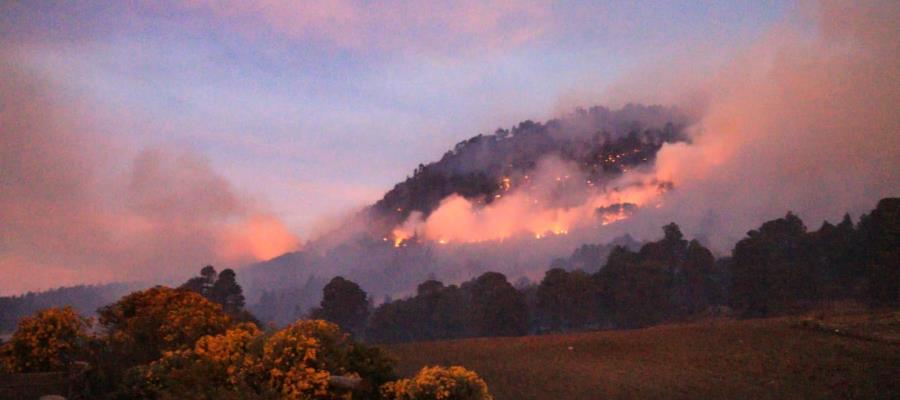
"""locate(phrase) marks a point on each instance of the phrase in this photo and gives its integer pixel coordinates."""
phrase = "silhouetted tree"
(227, 292)
(695, 287)
(344, 303)
(567, 300)
(665, 280)
(498, 309)
(880, 231)
(771, 269)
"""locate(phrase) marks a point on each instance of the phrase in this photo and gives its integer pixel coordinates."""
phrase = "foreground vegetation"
(165, 343)
(717, 359)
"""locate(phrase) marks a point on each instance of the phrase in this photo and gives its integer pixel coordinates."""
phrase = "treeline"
(779, 268)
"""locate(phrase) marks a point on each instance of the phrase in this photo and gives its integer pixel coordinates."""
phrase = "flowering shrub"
(146, 323)
(166, 343)
(290, 357)
(47, 341)
(233, 353)
(294, 363)
(218, 367)
(438, 383)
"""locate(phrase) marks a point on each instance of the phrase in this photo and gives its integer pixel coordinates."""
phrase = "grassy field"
(761, 359)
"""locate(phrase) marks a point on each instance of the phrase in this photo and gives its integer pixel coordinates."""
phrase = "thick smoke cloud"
(73, 212)
(804, 120)
(554, 200)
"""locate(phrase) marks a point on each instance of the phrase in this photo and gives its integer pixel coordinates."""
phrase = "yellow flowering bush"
(296, 362)
(144, 324)
(438, 383)
(233, 352)
(218, 367)
(292, 358)
(47, 341)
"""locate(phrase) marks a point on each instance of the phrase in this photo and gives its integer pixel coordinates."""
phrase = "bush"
(292, 359)
(297, 362)
(223, 366)
(48, 341)
(438, 383)
(144, 324)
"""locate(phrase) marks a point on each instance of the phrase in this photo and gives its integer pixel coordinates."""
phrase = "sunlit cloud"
(392, 25)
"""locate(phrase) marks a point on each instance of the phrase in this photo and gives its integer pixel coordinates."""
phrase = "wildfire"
(532, 210)
(610, 218)
(399, 237)
(552, 232)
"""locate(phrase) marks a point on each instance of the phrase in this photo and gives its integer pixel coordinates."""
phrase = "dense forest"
(779, 268)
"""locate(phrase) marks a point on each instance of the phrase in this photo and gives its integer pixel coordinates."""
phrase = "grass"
(761, 359)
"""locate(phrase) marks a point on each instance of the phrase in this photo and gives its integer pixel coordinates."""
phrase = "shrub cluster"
(166, 343)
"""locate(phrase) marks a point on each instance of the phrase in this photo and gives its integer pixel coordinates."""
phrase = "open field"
(771, 358)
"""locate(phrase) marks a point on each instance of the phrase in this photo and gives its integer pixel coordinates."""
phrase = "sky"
(318, 107)
(266, 118)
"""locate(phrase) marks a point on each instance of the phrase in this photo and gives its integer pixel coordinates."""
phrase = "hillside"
(86, 299)
(765, 358)
(601, 142)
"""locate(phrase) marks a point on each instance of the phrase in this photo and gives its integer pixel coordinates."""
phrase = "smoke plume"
(804, 120)
(555, 199)
(72, 211)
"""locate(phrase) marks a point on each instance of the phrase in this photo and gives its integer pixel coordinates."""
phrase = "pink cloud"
(72, 215)
(391, 25)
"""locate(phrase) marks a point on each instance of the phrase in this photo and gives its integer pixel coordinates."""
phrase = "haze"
(141, 141)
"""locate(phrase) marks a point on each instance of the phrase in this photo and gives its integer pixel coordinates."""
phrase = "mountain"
(86, 299)
(601, 143)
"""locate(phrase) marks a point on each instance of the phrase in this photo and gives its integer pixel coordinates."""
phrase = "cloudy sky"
(143, 139)
(316, 107)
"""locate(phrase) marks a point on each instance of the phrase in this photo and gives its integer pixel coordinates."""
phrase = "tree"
(636, 290)
(772, 269)
(838, 256)
(435, 312)
(202, 284)
(48, 341)
(880, 231)
(566, 300)
(344, 303)
(144, 324)
(666, 279)
(552, 298)
(222, 289)
(227, 292)
(695, 287)
(497, 308)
